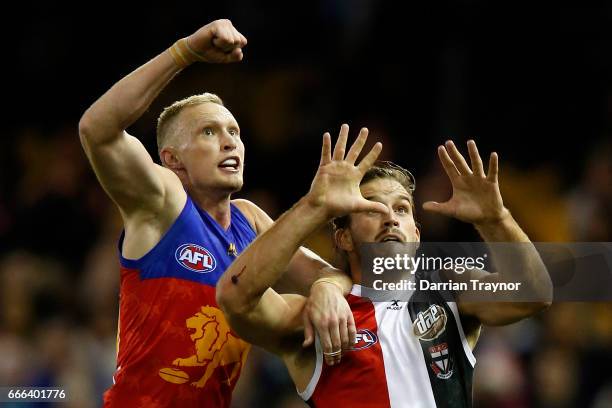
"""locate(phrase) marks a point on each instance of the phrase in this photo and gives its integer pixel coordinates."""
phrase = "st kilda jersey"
(174, 347)
(408, 354)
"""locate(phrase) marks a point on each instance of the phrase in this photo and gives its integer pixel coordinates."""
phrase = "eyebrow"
(208, 122)
(378, 198)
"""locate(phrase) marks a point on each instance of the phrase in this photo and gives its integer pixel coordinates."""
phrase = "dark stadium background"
(530, 80)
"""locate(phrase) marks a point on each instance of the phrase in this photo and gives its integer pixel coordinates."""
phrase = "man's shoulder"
(245, 205)
(258, 218)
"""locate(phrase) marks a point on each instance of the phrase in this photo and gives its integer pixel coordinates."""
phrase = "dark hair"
(380, 170)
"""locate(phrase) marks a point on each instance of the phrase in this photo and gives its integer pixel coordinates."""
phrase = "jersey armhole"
(137, 263)
(244, 218)
(316, 375)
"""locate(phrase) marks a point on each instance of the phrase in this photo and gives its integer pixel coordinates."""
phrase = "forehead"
(384, 188)
(208, 112)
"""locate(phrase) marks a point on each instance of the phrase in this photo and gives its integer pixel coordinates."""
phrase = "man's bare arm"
(335, 190)
(123, 166)
(477, 199)
(515, 263)
(305, 267)
(326, 310)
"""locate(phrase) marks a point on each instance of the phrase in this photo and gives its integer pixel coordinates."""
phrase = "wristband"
(183, 55)
(327, 280)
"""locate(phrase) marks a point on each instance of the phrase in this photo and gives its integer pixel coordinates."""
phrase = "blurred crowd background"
(532, 81)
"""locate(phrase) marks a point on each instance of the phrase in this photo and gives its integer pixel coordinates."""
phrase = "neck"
(355, 269)
(216, 203)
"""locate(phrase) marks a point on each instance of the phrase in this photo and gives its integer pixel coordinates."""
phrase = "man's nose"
(390, 219)
(228, 143)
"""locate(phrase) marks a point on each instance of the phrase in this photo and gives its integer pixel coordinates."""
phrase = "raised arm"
(121, 163)
(325, 310)
(476, 199)
(244, 293)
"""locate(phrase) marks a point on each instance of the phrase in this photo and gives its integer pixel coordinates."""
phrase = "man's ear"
(343, 239)
(170, 159)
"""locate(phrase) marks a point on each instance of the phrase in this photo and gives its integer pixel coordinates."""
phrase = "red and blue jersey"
(174, 346)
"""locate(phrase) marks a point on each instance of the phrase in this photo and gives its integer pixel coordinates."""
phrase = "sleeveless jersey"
(408, 354)
(174, 347)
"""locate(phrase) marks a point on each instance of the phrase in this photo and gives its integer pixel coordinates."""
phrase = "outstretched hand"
(218, 42)
(476, 197)
(335, 187)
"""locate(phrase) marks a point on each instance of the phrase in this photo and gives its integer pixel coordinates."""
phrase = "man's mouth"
(231, 164)
(390, 237)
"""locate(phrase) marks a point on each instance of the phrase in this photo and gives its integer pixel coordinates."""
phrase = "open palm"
(335, 187)
(476, 198)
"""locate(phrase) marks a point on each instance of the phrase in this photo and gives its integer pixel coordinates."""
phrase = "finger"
(457, 158)
(334, 332)
(227, 33)
(355, 149)
(475, 159)
(224, 40)
(233, 34)
(326, 149)
(364, 205)
(440, 208)
(242, 41)
(217, 55)
(235, 55)
(493, 168)
(220, 40)
(220, 56)
(308, 330)
(344, 335)
(447, 163)
(352, 330)
(370, 158)
(341, 143)
(327, 346)
(238, 39)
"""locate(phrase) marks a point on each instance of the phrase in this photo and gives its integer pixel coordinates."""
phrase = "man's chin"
(392, 248)
(232, 186)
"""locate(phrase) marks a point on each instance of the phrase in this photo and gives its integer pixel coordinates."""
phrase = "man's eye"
(401, 210)
(233, 132)
(208, 132)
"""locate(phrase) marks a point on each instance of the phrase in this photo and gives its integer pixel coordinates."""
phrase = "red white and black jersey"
(408, 354)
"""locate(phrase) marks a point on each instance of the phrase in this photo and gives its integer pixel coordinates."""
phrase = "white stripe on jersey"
(312, 384)
(405, 365)
(466, 347)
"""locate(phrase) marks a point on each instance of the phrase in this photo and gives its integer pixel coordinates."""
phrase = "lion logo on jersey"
(215, 347)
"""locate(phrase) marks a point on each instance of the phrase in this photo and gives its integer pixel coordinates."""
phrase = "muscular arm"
(242, 291)
(515, 263)
(304, 268)
(120, 161)
(141, 189)
(476, 199)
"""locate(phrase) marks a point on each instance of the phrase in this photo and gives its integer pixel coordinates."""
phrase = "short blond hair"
(167, 119)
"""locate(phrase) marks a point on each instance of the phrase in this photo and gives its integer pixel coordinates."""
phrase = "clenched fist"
(218, 42)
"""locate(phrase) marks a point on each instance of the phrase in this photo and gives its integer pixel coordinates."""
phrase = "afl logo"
(364, 339)
(195, 258)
